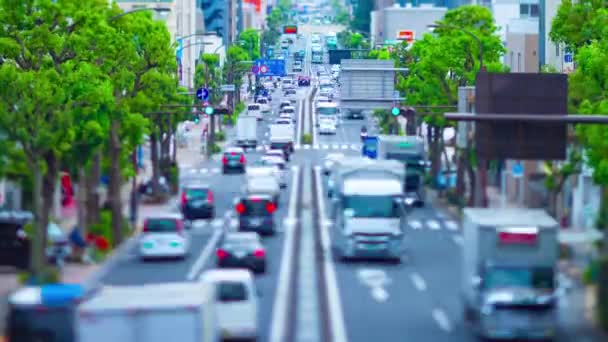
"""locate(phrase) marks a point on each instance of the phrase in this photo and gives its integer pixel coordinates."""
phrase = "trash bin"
(45, 313)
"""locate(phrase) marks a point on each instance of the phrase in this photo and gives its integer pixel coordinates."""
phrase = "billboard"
(290, 29)
(521, 93)
(269, 67)
(407, 35)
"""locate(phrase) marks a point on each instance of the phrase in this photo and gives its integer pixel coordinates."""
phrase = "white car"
(276, 153)
(163, 236)
(289, 110)
(284, 104)
(264, 104)
(327, 126)
(322, 99)
(335, 68)
(283, 121)
(287, 116)
(263, 168)
(290, 94)
(287, 83)
(277, 162)
(263, 185)
(255, 109)
(237, 302)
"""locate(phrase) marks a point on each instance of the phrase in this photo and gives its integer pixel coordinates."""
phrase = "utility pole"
(211, 131)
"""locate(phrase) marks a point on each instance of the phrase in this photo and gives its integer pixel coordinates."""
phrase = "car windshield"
(289, 110)
(240, 239)
(161, 225)
(262, 183)
(230, 291)
(505, 277)
(370, 206)
(255, 206)
(197, 193)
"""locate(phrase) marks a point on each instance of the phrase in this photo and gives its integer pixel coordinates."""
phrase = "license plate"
(255, 222)
(372, 247)
(197, 204)
(240, 254)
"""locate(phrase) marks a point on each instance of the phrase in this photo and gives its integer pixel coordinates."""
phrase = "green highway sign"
(396, 111)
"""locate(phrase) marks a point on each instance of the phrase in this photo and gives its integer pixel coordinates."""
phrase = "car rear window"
(262, 101)
(256, 206)
(196, 193)
(289, 110)
(253, 107)
(161, 225)
(232, 155)
(231, 291)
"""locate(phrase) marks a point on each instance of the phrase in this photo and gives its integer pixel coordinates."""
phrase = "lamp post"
(481, 198)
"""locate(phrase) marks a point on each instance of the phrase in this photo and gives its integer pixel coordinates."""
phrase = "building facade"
(220, 17)
(522, 45)
(387, 22)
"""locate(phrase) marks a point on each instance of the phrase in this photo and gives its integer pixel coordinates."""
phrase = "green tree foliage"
(580, 22)
(250, 41)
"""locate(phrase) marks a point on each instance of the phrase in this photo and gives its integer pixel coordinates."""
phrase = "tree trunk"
(435, 155)
(37, 252)
(92, 180)
(154, 160)
(115, 184)
(604, 216)
(81, 196)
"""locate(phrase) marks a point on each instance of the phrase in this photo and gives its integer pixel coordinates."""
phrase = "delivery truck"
(247, 131)
(183, 312)
(509, 277)
(368, 210)
(410, 151)
(282, 137)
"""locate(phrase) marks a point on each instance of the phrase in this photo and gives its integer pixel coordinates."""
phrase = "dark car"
(233, 160)
(285, 146)
(303, 81)
(242, 250)
(256, 213)
(14, 242)
(285, 103)
(197, 202)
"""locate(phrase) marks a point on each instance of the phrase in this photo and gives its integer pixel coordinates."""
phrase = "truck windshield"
(327, 111)
(504, 277)
(371, 206)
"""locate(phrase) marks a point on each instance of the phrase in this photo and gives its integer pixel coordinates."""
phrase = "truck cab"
(510, 273)
(368, 211)
(410, 151)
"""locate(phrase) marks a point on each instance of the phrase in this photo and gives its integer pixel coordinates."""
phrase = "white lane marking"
(442, 320)
(315, 146)
(458, 240)
(297, 147)
(266, 134)
(354, 147)
(419, 283)
(344, 147)
(228, 213)
(335, 146)
(185, 166)
(193, 170)
(279, 310)
(336, 316)
(259, 148)
(307, 147)
(215, 170)
(380, 294)
(300, 122)
(294, 167)
(415, 224)
(204, 170)
(376, 280)
(433, 225)
(325, 147)
(204, 256)
(451, 225)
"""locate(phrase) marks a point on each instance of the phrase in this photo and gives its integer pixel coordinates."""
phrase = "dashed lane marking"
(457, 240)
(344, 147)
(451, 225)
(419, 283)
(325, 147)
(307, 147)
(442, 320)
(415, 224)
(433, 225)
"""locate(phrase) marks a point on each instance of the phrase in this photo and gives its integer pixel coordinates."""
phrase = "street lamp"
(159, 10)
(467, 32)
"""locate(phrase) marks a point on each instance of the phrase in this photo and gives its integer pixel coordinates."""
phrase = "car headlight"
(409, 201)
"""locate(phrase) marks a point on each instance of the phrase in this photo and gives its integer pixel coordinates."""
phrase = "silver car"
(164, 235)
(267, 185)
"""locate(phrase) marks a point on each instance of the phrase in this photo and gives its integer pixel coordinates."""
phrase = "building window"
(527, 10)
(518, 61)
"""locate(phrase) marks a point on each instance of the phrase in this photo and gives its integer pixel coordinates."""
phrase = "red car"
(303, 81)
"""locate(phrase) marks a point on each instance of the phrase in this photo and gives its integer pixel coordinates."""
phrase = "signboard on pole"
(517, 171)
(290, 29)
(407, 35)
(269, 67)
(228, 87)
(202, 94)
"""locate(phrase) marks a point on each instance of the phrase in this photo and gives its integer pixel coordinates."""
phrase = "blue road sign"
(269, 52)
(202, 94)
(273, 67)
(370, 147)
(568, 58)
(517, 170)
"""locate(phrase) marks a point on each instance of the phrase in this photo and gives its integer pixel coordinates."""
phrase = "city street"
(417, 299)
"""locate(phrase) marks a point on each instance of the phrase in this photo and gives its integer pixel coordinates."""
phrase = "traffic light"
(209, 110)
(395, 111)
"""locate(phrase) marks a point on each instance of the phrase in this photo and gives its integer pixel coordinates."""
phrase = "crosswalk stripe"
(344, 147)
(216, 170)
(217, 223)
(325, 147)
(335, 146)
(316, 147)
(415, 224)
(433, 225)
(354, 147)
(451, 225)
(307, 147)
(204, 170)
(259, 148)
(297, 147)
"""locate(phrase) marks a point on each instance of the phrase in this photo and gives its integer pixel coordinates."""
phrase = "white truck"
(184, 312)
(368, 210)
(510, 273)
(282, 137)
(247, 131)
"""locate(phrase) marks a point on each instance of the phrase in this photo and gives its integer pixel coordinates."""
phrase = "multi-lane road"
(307, 294)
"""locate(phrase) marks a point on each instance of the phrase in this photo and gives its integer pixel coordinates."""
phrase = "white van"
(255, 109)
(236, 302)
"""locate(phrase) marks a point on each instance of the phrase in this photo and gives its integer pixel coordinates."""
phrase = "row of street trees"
(81, 80)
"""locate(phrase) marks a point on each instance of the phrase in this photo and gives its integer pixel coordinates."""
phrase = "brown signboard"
(521, 93)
